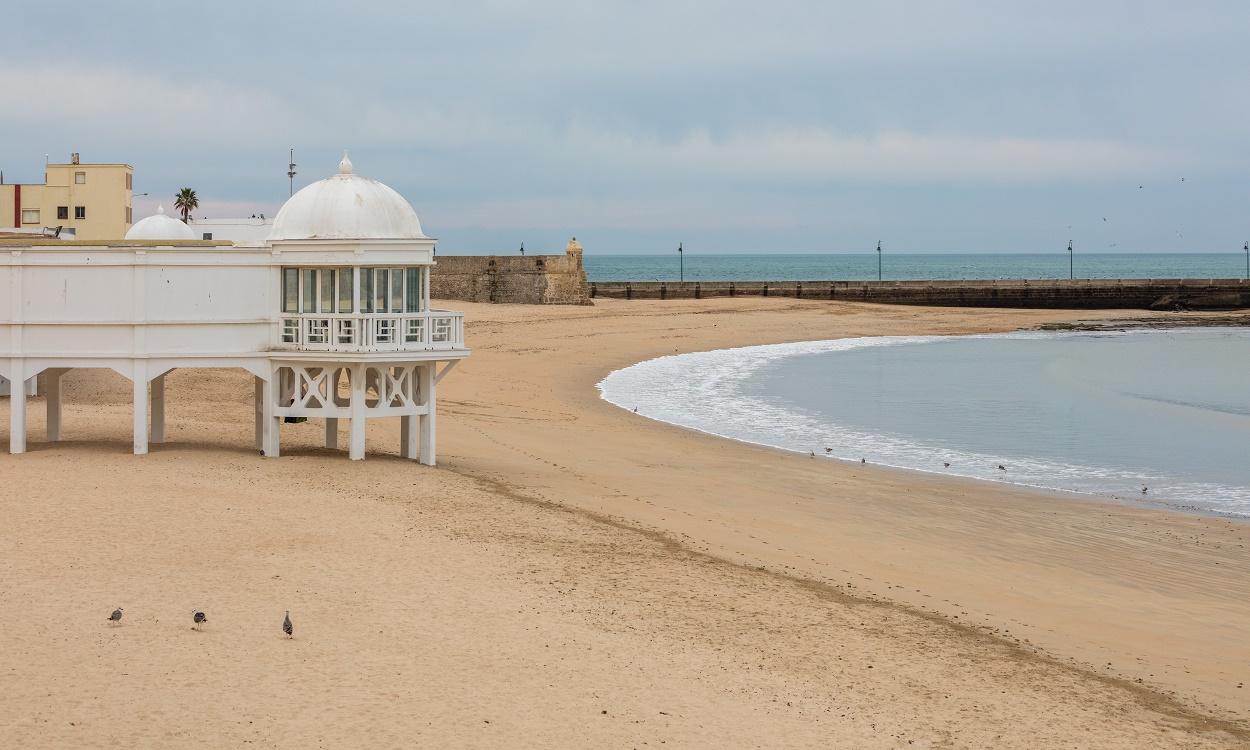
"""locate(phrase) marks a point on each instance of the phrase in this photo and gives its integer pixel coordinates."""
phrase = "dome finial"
(345, 166)
(160, 208)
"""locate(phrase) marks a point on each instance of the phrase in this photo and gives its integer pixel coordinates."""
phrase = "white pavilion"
(330, 314)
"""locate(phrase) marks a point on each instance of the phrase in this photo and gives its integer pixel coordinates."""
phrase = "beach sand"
(574, 574)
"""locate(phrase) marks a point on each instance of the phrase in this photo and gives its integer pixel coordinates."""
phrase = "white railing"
(371, 332)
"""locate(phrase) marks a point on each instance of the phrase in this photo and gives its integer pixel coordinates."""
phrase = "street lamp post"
(681, 264)
(1071, 268)
(878, 260)
(1246, 247)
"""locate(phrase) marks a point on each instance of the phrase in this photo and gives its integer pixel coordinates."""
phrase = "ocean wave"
(704, 391)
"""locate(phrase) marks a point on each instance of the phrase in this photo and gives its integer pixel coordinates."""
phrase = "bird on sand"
(1002, 468)
(1144, 490)
(286, 625)
(116, 617)
(828, 450)
(863, 461)
(812, 454)
(198, 617)
(946, 464)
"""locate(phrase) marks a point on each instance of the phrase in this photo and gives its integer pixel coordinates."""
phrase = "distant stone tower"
(574, 251)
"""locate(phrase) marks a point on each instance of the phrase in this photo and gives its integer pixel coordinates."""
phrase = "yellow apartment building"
(92, 199)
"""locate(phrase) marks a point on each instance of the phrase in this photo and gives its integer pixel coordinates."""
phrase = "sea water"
(1105, 414)
(860, 267)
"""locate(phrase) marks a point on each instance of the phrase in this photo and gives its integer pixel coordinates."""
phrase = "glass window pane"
(327, 289)
(381, 283)
(412, 290)
(310, 291)
(290, 290)
(397, 290)
(345, 290)
(366, 290)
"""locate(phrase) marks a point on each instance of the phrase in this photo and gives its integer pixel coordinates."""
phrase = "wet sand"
(575, 574)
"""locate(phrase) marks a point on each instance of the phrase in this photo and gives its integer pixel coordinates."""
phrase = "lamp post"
(1246, 247)
(878, 260)
(290, 172)
(1071, 270)
(681, 264)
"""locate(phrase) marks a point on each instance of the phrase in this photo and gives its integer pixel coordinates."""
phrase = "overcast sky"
(733, 127)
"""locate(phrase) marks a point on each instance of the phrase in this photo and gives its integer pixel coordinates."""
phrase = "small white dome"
(346, 206)
(158, 226)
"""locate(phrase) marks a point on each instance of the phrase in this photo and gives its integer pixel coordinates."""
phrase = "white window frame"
(28, 212)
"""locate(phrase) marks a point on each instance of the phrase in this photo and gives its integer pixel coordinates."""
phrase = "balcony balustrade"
(432, 330)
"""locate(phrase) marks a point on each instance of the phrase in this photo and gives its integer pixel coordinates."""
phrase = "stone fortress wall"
(1160, 294)
(517, 279)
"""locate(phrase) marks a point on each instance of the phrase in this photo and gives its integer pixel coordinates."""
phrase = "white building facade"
(330, 315)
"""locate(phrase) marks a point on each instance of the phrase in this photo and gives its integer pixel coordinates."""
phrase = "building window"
(30, 216)
(80, 212)
(313, 290)
(129, 178)
(62, 212)
(129, 215)
(80, 178)
(207, 235)
(390, 290)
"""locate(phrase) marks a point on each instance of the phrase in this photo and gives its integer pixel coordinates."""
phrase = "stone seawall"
(1071, 294)
(519, 279)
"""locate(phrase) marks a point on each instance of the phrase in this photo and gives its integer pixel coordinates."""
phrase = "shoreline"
(618, 398)
(571, 576)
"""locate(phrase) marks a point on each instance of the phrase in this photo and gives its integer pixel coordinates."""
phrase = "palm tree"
(186, 201)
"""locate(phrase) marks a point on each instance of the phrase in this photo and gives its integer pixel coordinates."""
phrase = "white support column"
(17, 406)
(139, 378)
(427, 419)
(52, 388)
(158, 409)
(258, 400)
(332, 433)
(407, 437)
(356, 449)
(269, 399)
(425, 287)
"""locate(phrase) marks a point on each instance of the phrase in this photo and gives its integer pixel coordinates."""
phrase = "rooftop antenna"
(290, 172)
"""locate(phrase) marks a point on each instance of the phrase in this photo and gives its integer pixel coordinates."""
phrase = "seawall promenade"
(1167, 294)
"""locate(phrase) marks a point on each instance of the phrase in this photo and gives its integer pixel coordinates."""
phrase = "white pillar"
(408, 437)
(268, 399)
(427, 419)
(17, 406)
(257, 398)
(356, 445)
(332, 433)
(139, 379)
(52, 387)
(158, 409)
(356, 449)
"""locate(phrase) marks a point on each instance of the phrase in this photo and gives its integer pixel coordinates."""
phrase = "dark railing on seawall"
(1165, 294)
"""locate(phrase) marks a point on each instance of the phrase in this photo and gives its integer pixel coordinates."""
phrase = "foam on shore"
(704, 391)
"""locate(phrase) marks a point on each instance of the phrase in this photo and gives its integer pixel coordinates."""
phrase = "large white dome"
(158, 226)
(346, 207)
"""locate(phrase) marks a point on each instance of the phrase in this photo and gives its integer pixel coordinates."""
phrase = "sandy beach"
(574, 574)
